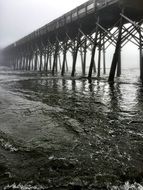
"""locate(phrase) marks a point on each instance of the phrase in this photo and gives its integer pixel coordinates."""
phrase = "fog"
(20, 17)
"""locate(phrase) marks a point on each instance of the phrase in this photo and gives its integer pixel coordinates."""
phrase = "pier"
(91, 28)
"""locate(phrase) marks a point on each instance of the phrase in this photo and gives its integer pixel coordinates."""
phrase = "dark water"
(70, 134)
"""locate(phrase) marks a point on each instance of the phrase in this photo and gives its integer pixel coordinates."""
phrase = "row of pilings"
(45, 55)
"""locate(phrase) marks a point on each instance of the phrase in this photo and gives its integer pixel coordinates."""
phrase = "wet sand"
(70, 134)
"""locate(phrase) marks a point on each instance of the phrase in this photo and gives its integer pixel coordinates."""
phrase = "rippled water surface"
(70, 134)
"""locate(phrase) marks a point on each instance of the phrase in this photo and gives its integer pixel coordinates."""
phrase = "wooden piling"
(116, 54)
(23, 66)
(50, 61)
(99, 56)
(55, 59)
(60, 65)
(82, 60)
(47, 60)
(35, 61)
(141, 54)
(32, 63)
(93, 53)
(27, 59)
(64, 59)
(119, 64)
(41, 61)
(75, 53)
(85, 55)
(104, 58)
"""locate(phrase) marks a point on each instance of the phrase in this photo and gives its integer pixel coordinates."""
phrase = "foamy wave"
(24, 187)
(128, 186)
(6, 145)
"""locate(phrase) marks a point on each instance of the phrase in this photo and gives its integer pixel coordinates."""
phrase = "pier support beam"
(85, 55)
(17, 61)
(141, 54)
(99, 56)
(119, 64)
(82, 64)
(30, 62)
(116, 54)
(50, 61)
(92, 63)
(47, 61)
(59, 58)
(27, 60)
(35, 62)
(41, 61)
(55, 58)
(75, 53)
(64, 59)
(104, 58)
(24, 60)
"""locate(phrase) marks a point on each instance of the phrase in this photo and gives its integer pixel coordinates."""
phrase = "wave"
(7, 143)
(7, 146)
(128, 186)
(24, 187)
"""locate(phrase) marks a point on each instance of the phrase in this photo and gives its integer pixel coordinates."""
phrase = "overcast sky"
(20, 17)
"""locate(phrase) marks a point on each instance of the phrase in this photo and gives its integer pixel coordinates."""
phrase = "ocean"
(63, 133)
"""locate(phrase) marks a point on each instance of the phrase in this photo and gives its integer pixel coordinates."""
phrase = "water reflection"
(101, 125)
(116, 97)
(139, 103)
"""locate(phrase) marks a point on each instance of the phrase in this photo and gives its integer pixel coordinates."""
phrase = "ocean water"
(70, 133)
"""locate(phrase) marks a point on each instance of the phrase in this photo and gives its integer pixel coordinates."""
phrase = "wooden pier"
(90, 28)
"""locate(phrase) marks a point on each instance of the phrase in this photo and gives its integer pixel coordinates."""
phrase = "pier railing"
(81, 11)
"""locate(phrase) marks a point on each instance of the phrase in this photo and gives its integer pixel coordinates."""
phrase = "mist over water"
(65, 133)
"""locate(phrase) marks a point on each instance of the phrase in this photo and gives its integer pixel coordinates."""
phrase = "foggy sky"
(20, 17)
